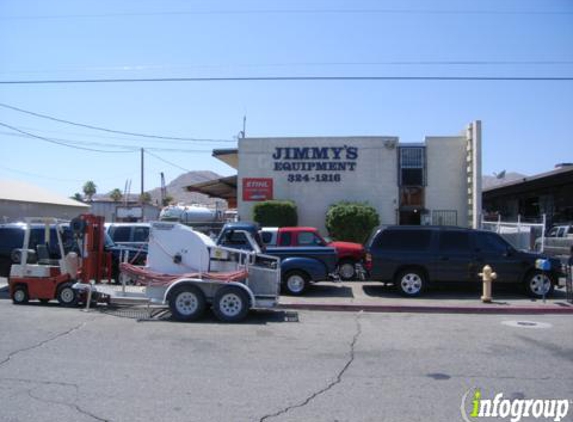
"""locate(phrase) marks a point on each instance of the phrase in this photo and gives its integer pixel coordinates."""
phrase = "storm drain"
(527, 324)
(137, 313)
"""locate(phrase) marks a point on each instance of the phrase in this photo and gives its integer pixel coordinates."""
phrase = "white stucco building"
(437, 181)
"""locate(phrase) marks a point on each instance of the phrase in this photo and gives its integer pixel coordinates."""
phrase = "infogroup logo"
(477, 407)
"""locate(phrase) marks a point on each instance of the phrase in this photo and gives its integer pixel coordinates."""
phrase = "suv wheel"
(537, 283)
(410, 283)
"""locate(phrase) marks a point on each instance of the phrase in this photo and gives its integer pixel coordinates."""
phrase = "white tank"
(177, 249)
(188, 214)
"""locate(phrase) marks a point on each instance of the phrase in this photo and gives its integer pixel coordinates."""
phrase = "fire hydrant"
(487, 275)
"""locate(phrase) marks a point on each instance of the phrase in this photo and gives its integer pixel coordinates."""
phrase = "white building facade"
(434, 182)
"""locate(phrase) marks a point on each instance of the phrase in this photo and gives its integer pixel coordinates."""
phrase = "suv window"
(12, 238)
(490, 242)
(121, 234)
(267, 237)
(141, 234)
(453, 241)
(404, 240)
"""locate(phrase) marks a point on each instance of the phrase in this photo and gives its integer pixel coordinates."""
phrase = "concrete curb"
(516, 310)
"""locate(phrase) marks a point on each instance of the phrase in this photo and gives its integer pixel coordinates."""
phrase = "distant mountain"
(176, 189)
(491, 181)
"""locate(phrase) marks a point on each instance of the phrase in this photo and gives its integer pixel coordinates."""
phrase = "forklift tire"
(187, 303)
(20, 295)
(67, 296)
(231, 304)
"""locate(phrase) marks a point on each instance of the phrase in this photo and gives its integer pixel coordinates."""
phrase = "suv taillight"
(368, 262)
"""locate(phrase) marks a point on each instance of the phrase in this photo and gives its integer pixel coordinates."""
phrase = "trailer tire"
(68, 296)
(231, 304)
(20, 295)
(187, 303)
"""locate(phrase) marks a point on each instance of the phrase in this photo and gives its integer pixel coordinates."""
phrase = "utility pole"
(244, 133)
(142, 188)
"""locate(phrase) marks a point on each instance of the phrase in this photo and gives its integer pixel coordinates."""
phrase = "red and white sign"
(257, 189)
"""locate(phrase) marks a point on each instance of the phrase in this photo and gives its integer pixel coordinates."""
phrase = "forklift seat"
(44, 255)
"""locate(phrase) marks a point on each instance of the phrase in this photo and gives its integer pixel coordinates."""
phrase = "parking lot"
(280, 365)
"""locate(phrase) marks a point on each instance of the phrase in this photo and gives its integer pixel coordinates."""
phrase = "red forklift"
(35, 276)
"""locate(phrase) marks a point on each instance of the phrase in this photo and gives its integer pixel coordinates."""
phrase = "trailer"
(187, 272)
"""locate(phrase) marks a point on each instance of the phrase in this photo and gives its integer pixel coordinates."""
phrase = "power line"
(139, 68)
(143, 135)
(292, 12)
(102, 144)
(274, 79)
(53, 141)
(167, 162)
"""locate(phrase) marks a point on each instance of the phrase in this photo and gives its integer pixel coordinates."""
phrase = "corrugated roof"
(11, 190)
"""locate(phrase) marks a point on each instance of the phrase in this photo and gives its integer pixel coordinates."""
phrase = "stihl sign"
(257, 189)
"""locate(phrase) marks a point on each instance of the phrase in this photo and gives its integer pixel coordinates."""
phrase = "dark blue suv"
(413, 257)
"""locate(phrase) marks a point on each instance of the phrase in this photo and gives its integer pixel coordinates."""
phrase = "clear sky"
(526, 124)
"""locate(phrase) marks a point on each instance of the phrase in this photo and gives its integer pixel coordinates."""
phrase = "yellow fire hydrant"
(487, 275)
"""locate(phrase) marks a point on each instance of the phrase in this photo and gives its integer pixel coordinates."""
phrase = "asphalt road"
(67, 365)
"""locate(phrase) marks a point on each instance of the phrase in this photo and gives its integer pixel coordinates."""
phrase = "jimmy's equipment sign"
(315, 164)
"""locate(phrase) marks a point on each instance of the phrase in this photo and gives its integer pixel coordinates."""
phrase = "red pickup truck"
(349, 254)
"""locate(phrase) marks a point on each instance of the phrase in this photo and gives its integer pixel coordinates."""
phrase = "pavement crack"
(337, 380)
(40, 344)
(69, 405)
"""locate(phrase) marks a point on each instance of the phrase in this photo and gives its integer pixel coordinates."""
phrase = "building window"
(412, 166)
(412, 196)
(445, 218)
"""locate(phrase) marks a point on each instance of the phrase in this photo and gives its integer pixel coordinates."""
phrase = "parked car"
(12, 238)
(558, 241)
(129, 234)
(300, 266)
(350, 254)
(414, 257)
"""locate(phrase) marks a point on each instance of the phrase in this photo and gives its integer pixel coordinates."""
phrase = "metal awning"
(223, 188)
(229, 156)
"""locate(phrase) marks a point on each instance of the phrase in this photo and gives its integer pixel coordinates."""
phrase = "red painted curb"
(427, 309)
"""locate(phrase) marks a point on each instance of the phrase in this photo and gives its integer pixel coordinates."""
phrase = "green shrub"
(351, 221)
(275, 213)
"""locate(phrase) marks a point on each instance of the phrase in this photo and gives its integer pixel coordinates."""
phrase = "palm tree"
(116, 195)
(145, 198)
(78, 197)
(89, 189)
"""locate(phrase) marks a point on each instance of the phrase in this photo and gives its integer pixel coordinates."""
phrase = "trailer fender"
(198, 282)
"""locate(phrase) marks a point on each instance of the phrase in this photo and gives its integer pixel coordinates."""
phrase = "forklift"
(35, 276)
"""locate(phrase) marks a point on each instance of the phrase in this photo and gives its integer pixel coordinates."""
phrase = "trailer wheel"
(67, 296)
(231, 304)
(20, 295)
(187, 303)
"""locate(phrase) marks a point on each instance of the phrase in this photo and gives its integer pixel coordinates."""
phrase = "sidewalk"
(377, 297)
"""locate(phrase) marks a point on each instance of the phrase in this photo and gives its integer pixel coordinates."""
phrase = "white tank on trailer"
(177, 249)
(189, 214)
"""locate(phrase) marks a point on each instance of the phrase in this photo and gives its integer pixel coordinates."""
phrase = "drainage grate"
(137, 313)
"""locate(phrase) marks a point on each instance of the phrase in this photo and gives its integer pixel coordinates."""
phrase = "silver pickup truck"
(558, 241)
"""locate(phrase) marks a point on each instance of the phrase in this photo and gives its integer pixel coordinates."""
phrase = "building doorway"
(410, 217)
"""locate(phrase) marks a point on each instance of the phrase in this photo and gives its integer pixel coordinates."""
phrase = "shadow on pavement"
(329, 289)
(501, 293)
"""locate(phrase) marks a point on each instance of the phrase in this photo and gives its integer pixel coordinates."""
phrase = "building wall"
(11, 211)
(447, 176)
(372, 179)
